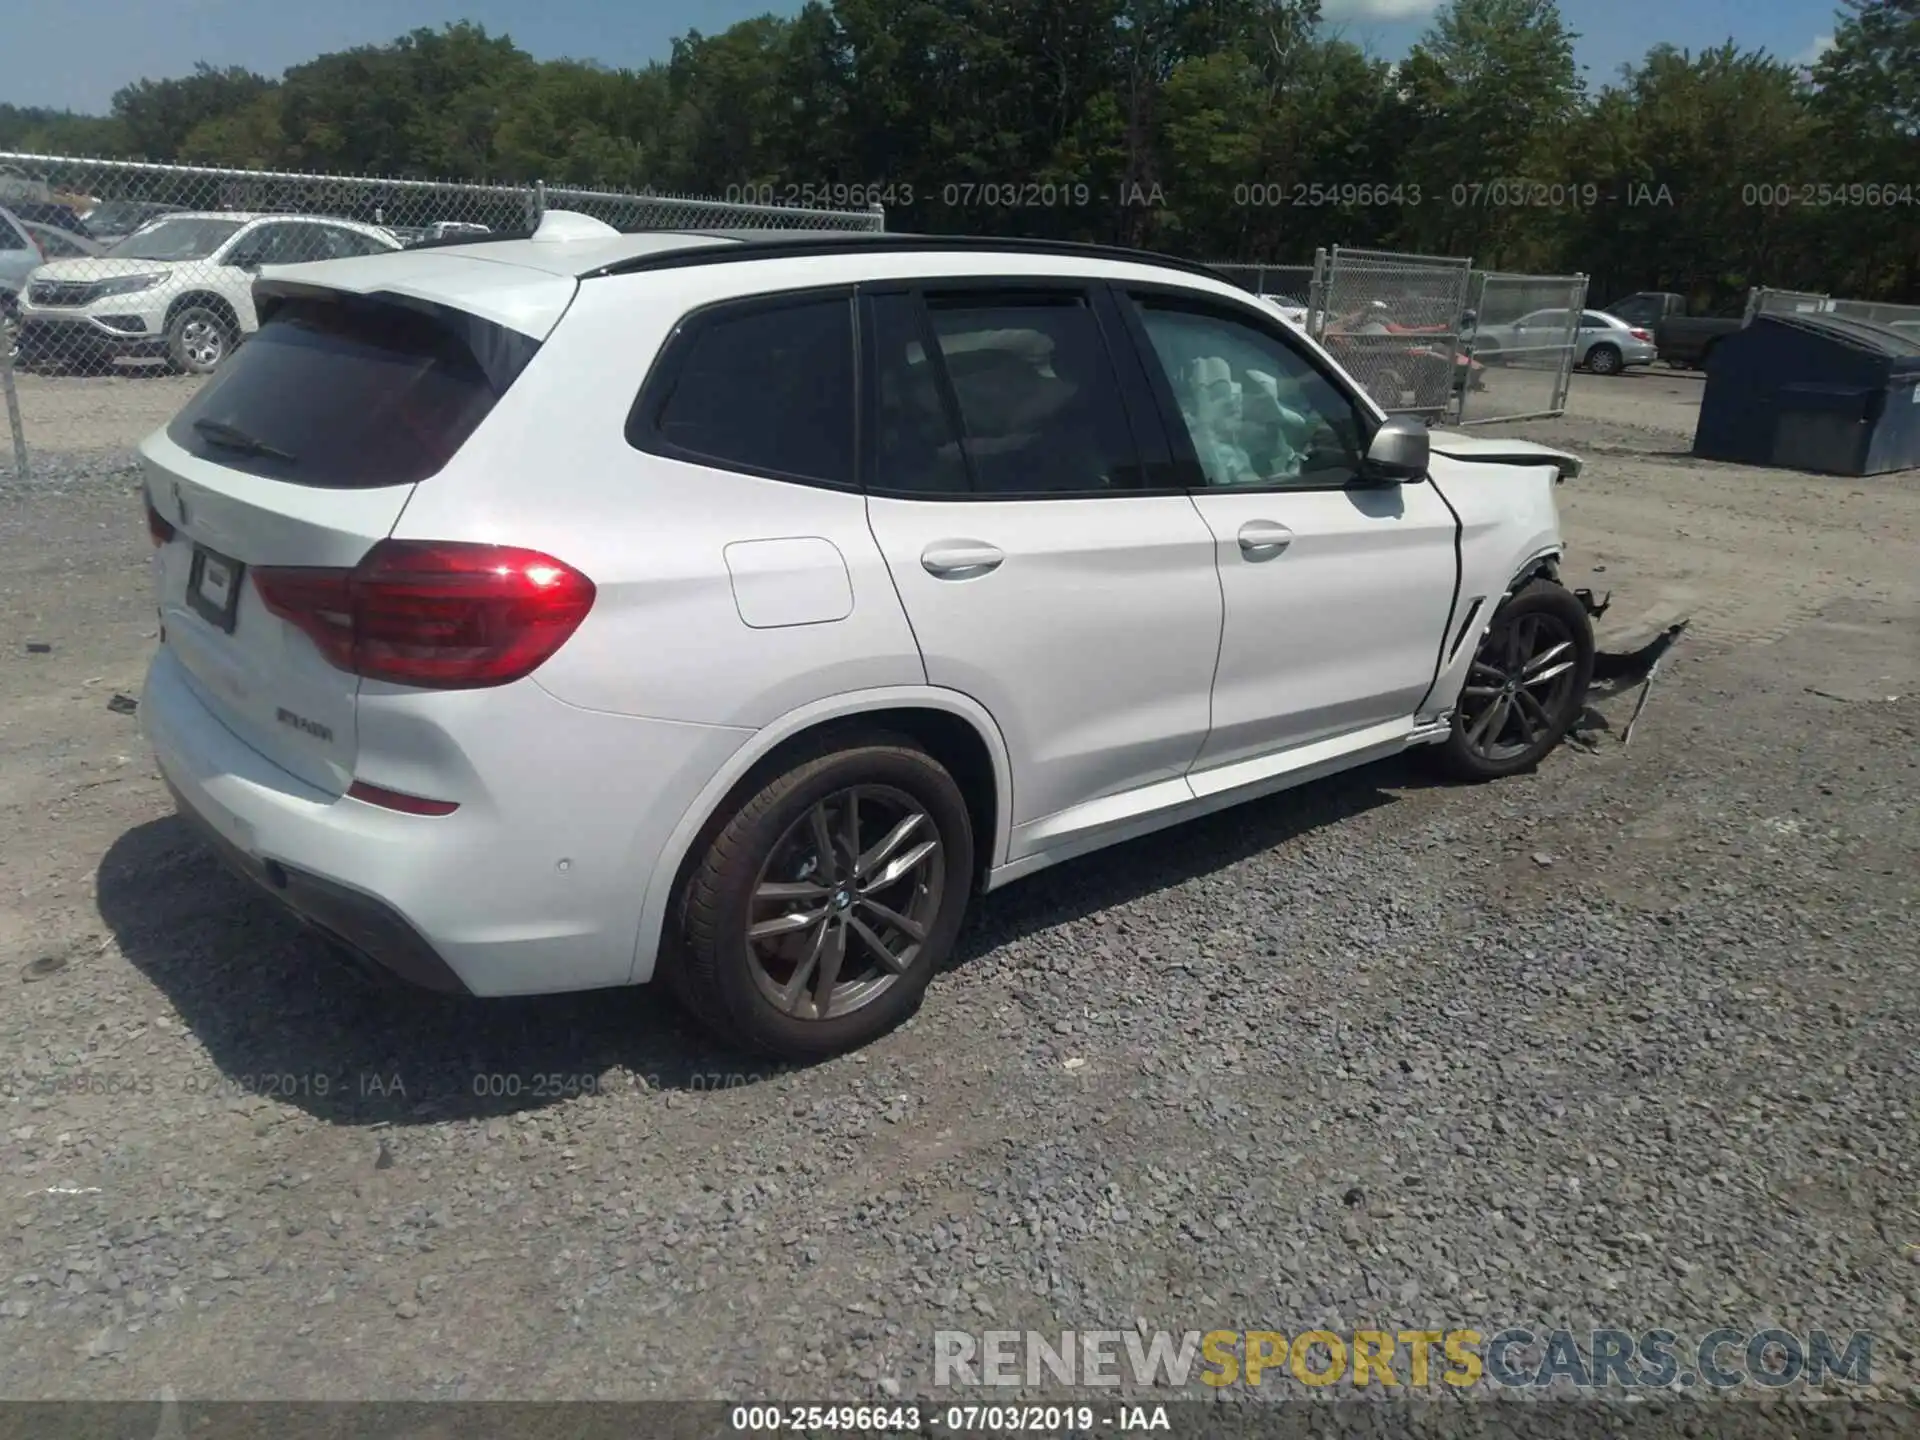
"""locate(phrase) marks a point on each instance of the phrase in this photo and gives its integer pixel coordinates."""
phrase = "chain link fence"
(1522, 340)
(1904, 318)
(1395, 322)
(1429, 335)
(110, 263)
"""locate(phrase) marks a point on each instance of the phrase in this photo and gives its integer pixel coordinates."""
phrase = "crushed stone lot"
(1633, 1041)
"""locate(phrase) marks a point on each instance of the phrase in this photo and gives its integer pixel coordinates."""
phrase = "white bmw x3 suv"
(728, 609)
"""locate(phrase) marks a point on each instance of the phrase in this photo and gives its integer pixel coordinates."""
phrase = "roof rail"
(750, 245)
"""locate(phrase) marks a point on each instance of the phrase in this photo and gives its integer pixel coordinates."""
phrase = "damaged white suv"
(588, 609)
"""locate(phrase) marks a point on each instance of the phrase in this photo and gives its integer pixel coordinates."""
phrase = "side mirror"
(1398, 452)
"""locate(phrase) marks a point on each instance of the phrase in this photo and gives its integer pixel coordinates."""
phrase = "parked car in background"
(944, 578)
(1603, 343)
(18, 187)
(19, 257)
(180, 288)
(1291, 309)
(1679, 339)
(57, 214)
(439, 232)
(114, 220)
(25, 245)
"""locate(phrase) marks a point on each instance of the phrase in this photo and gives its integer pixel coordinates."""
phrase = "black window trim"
(642, 429)
(1114, 341)
(1204, 302)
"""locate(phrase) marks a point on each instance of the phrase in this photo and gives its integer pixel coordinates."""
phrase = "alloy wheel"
(203, 342)
(845, 901)
(1519, 686)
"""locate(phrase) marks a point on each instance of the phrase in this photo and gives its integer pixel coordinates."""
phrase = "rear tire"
(1526, 686)
(1605, 360)
(807, 930)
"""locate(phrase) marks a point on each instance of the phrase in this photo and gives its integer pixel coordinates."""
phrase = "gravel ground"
(1633, 1041)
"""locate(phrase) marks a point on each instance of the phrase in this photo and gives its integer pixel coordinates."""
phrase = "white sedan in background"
(180, 288)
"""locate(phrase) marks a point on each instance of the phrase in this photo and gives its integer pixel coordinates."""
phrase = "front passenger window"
(1256, 411)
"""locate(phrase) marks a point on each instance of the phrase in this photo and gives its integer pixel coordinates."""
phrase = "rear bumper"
(369, 928)
(533, 886)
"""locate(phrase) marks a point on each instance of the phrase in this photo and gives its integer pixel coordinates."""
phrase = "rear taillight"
(441, 615)
(1641, 334)
(158, 526)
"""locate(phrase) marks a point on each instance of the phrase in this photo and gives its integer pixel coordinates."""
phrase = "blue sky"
(49, 60)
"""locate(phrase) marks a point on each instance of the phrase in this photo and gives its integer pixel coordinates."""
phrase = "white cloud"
(1821, 44)
(1378, 9)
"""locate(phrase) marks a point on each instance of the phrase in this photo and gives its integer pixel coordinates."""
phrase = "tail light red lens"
(440, 615)
(158, 526)
(393, 800)
(1642, 334)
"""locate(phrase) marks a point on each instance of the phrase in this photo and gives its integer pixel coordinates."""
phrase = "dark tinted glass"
(1039, 407)
(346, 394)
(763, 386)
(915, 449)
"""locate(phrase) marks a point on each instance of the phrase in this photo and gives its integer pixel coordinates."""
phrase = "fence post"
(539, 202)
(14, 422)
(1317, 296)
(879, 217)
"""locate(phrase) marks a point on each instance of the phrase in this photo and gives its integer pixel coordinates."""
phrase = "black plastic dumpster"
(1813, 392)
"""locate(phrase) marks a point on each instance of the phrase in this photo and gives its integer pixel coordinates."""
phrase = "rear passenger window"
(764, 386)
(1019, 397)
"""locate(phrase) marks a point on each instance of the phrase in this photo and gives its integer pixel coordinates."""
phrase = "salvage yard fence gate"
(83, 310)
(1410, 328)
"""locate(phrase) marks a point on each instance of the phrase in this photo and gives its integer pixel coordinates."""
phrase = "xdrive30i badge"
(303, 725)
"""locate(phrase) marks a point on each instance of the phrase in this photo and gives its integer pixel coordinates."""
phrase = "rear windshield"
(347, 393)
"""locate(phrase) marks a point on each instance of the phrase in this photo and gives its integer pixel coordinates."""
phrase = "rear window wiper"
(232, 437)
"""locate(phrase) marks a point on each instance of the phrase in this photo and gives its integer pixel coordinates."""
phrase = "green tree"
(158, 115)
(1867, 111)
(1491, 90)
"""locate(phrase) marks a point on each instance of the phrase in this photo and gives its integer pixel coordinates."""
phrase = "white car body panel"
(1124, 663)
(1092, 644)
(1508, 523)
(1336, 632)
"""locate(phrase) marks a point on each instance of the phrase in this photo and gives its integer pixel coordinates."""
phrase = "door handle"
(1264, 538)
(961, 559)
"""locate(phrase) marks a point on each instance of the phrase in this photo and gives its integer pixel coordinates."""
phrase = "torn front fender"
(1491, 450)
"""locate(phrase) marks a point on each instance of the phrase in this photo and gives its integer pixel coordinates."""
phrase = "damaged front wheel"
(1526, 686)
